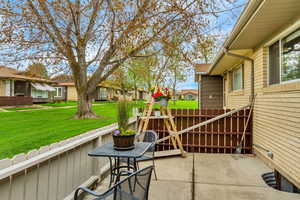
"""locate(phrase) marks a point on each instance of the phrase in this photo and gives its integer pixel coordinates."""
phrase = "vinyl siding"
(239, 98)
(71, 93)
(276, 120)
(110, 93)
(277, 127)
(2, 88)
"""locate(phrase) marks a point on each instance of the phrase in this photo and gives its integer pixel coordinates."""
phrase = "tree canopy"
(37, 70)
(93, 38)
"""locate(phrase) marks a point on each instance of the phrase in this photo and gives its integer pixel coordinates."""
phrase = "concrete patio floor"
(216, 177)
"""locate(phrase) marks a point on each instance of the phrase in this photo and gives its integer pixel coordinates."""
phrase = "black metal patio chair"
(149, 136)
(133, 187)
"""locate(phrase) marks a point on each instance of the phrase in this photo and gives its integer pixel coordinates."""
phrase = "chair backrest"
(150, 136)
(135, 186)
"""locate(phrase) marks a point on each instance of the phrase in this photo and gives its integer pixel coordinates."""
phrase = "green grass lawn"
(60, 104)
(183, 104)
(23, 131)
(180, 104)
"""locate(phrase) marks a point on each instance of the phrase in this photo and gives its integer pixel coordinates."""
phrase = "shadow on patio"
(210, 177)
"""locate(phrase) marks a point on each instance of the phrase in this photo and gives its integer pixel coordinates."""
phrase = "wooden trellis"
(168, 122)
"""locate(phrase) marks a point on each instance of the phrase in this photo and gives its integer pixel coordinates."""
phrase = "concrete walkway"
(216, 177)
(3, 110)
(40, 107)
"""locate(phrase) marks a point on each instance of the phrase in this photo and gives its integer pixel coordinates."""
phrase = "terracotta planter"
(123, 142)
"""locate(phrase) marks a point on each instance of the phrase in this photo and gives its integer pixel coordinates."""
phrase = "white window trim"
(242, 79)
(56, 92)
(41, 91)
(279, 38)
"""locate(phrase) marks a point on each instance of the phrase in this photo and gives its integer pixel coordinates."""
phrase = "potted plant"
(161, 96)
(123, 137)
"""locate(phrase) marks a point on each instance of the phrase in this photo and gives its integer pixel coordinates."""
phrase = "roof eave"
(248, 11)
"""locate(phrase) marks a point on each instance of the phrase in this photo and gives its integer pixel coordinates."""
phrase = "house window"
(8, 88)
(58, 92)
(284, 59)
(38, 93)
(237, 79)
(103, 94)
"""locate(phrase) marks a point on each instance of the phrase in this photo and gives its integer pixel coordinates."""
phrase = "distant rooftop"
(188, 91)
(10, 73)
(202, 68)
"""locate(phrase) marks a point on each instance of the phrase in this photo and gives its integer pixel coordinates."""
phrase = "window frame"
(239, 67)
(56, 92)
(39, 93)
(280, 59)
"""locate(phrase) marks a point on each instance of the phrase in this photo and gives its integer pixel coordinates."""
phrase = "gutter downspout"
(252, 69)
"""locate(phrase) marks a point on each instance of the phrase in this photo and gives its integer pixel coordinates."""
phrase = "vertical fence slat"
(5, 189)
(31, 184)
(221, 136)
(4, 184)
(62, 176)
(53, 179)
(18, 180)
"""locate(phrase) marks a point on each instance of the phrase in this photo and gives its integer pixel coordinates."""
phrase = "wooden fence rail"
(221, 136)
(15, 101)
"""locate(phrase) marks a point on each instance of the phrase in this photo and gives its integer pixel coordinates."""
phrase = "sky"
(225, 23)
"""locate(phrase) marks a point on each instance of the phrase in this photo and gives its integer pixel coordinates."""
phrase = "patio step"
(156, 117)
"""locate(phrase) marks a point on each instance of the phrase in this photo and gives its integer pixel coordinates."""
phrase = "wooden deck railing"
(15, 101)
(53, 172)
(221, 136)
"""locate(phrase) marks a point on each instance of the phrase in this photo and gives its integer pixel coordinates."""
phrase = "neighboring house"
(188, 94)
(67, 91)
(62, 83)
(262, 57)
(14, 83)
(61, 92)
(210, 88)
(107, 93)
(140, 95)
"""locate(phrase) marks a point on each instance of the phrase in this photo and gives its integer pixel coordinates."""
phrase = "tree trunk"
(174, 86)
(174, 94)
(136, 93)
(84, 106)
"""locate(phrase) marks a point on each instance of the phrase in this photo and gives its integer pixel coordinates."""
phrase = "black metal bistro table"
(130, 156)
